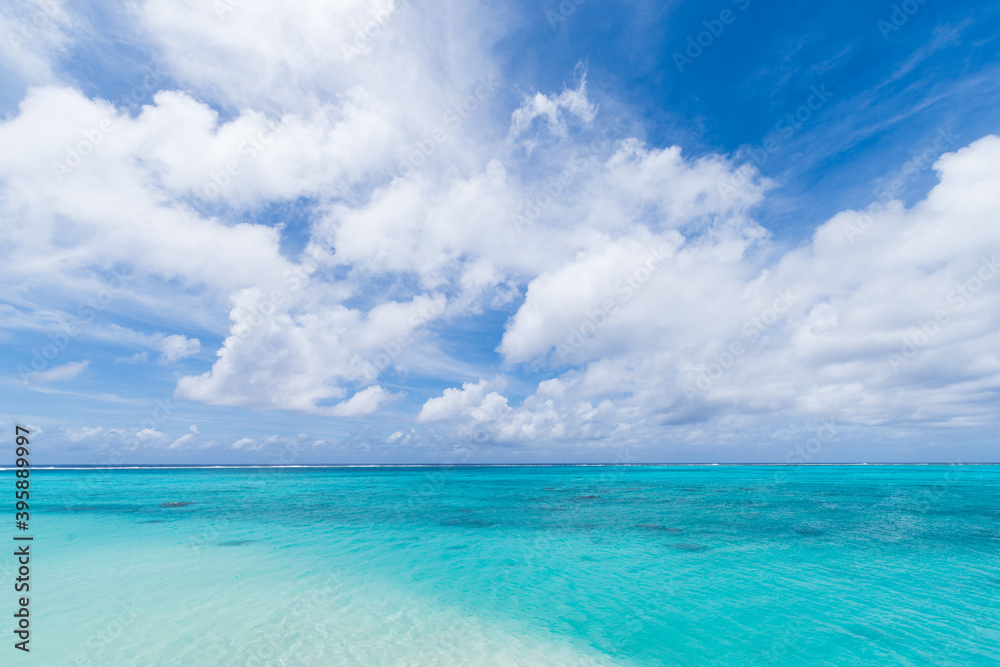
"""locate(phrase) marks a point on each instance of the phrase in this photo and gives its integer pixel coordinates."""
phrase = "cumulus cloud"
(324, 348)
(453, 402)
(178, 346)
(711, 336)
(284, 50)
(364, 402)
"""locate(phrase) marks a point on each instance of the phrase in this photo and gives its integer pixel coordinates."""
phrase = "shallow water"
(689, 565)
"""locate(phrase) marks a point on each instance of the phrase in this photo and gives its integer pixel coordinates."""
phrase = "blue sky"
(500, 232)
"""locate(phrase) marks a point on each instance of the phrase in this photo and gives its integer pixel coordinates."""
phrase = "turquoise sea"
(632, 565)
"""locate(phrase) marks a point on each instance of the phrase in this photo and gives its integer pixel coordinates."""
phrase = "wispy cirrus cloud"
(61, 373)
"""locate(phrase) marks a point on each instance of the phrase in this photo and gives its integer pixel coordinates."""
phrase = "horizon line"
(167, 466)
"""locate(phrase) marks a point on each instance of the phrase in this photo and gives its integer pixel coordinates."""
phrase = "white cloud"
(324, 347)
(181, 442)
(137, 358)
(454, 402)
(247, 443)
(149, 435)
(272, 55)
(178, 346)
(85, 433)
(59, 373)
(363, 403)
(554, 109)
(566, 308)
(35, 33)
(717, 337)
